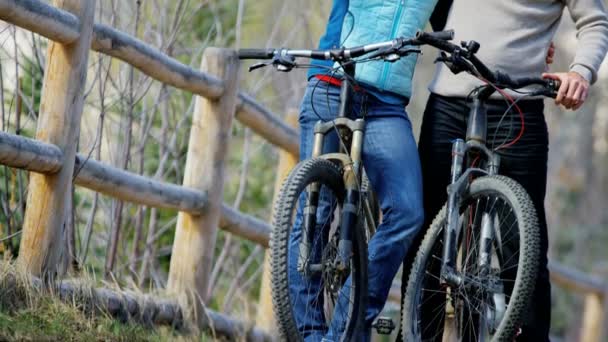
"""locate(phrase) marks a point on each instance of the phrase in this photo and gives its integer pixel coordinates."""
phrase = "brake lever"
(405, 52)
(398, 54)
(452, 62)
(283, 67)
(259, 65)
(379, 53)
(284, 63)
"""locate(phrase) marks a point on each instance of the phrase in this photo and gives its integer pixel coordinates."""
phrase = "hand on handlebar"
(573, 89)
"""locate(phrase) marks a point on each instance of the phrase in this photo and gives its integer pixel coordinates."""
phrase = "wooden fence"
(52, 159)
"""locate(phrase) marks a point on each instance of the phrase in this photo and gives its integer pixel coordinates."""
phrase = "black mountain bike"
(328, 196)
(474, 274)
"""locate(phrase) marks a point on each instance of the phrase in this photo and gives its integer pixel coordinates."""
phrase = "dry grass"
(28, 314)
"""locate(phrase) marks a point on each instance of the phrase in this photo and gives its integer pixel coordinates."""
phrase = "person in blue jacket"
(390, 155)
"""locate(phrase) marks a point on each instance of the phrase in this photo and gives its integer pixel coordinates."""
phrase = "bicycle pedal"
(384, 325)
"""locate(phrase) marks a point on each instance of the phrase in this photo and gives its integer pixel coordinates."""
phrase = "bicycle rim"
(490, 304)
(307, 301)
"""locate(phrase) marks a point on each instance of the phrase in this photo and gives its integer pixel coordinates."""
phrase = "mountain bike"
(331, 248)
(474, 273)
(328, 195)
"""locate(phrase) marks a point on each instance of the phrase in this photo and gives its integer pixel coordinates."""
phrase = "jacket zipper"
(396, 23)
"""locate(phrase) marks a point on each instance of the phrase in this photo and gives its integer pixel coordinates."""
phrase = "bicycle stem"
(346, 91)
(478, 121)
(478, 116)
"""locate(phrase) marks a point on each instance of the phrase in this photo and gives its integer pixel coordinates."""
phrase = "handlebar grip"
(437, 40)
(549, 87)
(256, 53)
(553, 86)
(443, 35)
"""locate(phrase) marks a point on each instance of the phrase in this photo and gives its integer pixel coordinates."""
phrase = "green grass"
(27, 314)
(48, 319)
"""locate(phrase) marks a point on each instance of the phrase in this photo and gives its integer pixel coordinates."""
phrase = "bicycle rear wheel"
(491, 302)
(305, 298)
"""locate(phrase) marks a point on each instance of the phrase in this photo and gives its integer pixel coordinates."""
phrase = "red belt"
(334, 81)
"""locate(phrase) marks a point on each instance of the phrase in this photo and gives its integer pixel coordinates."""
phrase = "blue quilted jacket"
(358, 22)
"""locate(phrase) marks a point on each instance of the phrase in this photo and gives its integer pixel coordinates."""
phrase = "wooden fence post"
(593, 318)
(195, 235)
(59, 124)
(595, 310)
(265, 317)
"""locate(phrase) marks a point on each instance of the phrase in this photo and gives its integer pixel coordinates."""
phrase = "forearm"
(591, 23)
(440, 14)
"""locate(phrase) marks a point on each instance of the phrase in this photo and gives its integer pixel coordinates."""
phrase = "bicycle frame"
(349, 130)
(460, 179)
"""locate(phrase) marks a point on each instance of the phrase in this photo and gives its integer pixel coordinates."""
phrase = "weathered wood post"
(592, 326)
(265, 317)
(194, 245)
(59, 124)
(595, 313)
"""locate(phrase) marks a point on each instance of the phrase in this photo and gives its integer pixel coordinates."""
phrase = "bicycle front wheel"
(490, 303)
(311, 292)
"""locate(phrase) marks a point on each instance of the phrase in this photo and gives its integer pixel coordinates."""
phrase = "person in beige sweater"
(515, 38)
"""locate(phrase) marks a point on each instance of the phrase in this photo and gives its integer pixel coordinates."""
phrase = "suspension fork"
(448, 266)
(310, 212)
(485, 242)
(456, 189)
(350, 210)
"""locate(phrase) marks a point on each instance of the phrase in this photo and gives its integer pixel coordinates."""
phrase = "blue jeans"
(390, 158)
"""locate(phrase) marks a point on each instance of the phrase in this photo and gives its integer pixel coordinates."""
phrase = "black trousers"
(445, 119)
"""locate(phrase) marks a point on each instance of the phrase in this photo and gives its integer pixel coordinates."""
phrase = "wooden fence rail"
(135, 188)
(29, 154)
(32, 155)
(576, 280)
(42, 18)
(595, 289)
(64, 28)
(53, 159)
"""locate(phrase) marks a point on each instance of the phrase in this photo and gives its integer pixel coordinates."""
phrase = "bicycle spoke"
(440, 310)
(483, 299)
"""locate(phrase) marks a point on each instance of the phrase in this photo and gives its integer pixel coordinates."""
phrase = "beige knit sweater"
(515, 36)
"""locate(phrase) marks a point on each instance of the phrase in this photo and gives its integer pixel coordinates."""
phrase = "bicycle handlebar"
(439, 40)
(343, 53)
(255, 53)
(334, 54)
